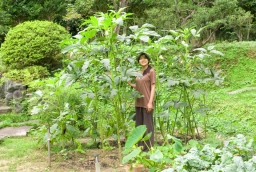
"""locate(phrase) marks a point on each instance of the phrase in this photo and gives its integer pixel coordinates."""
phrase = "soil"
(37, 161)
(75, 162)
(109, 161)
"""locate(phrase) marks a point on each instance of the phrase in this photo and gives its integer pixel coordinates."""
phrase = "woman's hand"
(152, 94)
(132, 85)
(149, 107)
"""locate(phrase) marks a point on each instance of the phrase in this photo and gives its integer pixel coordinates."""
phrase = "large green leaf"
(113, 93)
(135, 136)
(144, 38)
(157, 156)
(131, 155)
(168, 104)
(147, 137)
(106, 63)
(119, 21)
(88, 34)
(85, 66)
(133, 72)
(177, 146)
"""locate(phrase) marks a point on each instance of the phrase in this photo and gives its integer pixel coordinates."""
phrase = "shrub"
(27, 74)
(33, 43)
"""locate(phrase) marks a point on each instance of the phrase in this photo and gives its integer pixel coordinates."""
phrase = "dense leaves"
(25, 10)
(33, 43)
(235, 156)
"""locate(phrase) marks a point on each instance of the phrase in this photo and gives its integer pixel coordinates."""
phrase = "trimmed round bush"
(33, 43)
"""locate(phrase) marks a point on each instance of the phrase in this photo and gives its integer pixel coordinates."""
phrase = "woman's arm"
(131, 84)
(151, 99)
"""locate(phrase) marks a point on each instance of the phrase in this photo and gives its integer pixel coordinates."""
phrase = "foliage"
(17, 147)
(241, 23)
(33, 43)
(221, 19)
(59, 109)
(27, 74)
(52, 10)
(105, 60)
(248, 6)
(84, 7)
(5, 24)
(232, 104)
(25, 10)
(157, 158)
(236, 155)
(8, 120)
(182, 95)
(103, 65)
(22, 10)
(237, 63)
(135, 136)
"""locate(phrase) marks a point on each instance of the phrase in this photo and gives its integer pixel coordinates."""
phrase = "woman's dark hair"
(147, 57)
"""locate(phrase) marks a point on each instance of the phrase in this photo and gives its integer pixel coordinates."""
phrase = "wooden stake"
(49, 148)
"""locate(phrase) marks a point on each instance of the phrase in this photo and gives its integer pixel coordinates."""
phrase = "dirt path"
(242, 90)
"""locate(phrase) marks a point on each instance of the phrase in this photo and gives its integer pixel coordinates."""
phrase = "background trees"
(221, 19)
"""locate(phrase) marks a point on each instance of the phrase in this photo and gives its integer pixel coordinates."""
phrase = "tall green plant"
(59, 109)
(105, 63)
(191, 69)
(182, 74)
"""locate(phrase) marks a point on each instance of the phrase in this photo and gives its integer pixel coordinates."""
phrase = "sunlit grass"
(233, 103)
(17, 147)
(233, 114)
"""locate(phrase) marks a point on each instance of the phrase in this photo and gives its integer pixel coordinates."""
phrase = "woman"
(144, 106)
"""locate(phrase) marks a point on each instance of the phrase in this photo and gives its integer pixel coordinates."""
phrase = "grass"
(233, 114)
(15, 120)
(17, 151)
(18, 147)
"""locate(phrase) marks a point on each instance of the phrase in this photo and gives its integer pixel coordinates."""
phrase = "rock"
(5, 109)
(13, 93)
(2, 137)
(14, 131)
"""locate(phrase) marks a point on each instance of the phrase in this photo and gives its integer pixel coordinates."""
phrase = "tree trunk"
(122, 4)
(239, 35)
(248, 31)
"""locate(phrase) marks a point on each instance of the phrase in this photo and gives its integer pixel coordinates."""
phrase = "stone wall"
(13, 93)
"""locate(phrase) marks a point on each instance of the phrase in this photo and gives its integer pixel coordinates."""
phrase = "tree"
(241, 23)
(4, 24)
(214, 19)
(13, 12)
(52, 9)
(24, 10)
(248, 5)
(118, 4)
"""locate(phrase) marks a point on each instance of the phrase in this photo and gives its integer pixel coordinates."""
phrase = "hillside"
(233, 103)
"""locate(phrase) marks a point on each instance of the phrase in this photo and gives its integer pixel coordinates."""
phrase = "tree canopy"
(221, 19)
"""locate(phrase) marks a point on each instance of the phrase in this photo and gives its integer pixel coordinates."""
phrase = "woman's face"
(143, 61)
